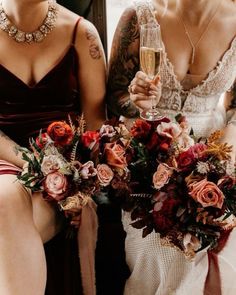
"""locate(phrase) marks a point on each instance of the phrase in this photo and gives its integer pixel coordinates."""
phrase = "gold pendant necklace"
(194, 46)
(28, 37)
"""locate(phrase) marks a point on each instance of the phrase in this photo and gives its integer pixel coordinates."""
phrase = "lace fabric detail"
(203, 98)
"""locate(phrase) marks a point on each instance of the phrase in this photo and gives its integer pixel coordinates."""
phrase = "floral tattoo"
(94, 48)
(124, 63)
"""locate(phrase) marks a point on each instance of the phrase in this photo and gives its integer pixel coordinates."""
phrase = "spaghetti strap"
(75, 30)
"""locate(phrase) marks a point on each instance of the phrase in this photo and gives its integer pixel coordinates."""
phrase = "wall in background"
(114, 11)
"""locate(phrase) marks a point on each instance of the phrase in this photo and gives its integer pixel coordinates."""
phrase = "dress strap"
(75, 30)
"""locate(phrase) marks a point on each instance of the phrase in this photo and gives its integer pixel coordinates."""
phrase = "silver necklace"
(194, 45)
(29, 37)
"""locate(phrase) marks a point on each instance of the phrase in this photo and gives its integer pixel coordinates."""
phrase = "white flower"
(50, 164)
(171, 130)
(107, 130)
(203, 167)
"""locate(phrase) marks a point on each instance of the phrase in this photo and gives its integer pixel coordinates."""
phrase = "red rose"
(140, 129)
(153, 142)
(60, 132)
(90, 138)
(42, 140)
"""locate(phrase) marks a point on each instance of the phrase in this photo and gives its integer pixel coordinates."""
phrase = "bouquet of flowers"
(58, 165)
(172, 183)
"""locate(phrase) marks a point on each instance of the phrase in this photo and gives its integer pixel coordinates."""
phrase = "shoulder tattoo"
(94, 47)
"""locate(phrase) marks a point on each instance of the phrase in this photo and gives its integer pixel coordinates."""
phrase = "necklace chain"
(28, 37)
(194, 46)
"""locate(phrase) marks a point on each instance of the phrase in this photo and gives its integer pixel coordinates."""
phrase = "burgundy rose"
(186, 159)
(162, 222)
(60, 132)
(140, 129)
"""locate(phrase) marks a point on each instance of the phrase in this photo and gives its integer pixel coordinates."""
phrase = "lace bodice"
(202, 99)
(160, 270)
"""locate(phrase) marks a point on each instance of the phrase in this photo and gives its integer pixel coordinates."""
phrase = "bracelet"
(233, 121)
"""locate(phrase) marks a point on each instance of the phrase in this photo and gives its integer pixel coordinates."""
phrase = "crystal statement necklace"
(28, 37)
(194, 45)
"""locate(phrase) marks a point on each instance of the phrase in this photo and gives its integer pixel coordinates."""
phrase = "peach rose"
(115, 155)
(207, 194)
(55, 185)
(105, 174)
(161, 176)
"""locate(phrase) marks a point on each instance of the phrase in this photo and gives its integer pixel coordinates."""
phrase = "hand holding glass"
(150, 62)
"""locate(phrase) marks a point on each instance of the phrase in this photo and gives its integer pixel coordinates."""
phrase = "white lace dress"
(162, 270)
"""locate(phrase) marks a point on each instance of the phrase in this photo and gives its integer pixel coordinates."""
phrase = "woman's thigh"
(18, 203)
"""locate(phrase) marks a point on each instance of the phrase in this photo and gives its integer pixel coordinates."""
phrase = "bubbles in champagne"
(150, 60)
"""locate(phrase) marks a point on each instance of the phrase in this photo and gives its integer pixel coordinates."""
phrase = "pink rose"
(198, 150)
(161, 176)
(105, 174)
(115, 155)
(55, 185)
(170, 130)
(206, 193)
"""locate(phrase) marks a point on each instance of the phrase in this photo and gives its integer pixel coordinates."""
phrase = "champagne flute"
(150, 63)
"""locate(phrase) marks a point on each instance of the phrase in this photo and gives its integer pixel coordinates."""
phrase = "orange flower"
(115, 155)
(60, 132)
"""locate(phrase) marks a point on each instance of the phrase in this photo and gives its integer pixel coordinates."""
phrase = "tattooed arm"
(9, 150)
(123, 65)
(91, 74)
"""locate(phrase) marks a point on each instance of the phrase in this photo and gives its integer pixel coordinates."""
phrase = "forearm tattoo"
(94, 47)
(16, 147)
(124, 63)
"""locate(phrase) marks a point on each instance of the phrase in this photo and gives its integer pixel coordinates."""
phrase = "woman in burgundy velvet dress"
(51, 64)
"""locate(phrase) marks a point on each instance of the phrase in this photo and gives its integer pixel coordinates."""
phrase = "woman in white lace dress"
(199, 65)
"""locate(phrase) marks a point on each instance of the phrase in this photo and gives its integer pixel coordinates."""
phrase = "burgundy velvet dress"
(24, 110)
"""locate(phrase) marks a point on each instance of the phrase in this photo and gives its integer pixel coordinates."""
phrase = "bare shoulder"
(129, 14)
(228, 12)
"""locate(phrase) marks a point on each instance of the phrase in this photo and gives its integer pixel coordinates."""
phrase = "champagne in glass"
(150, 62)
